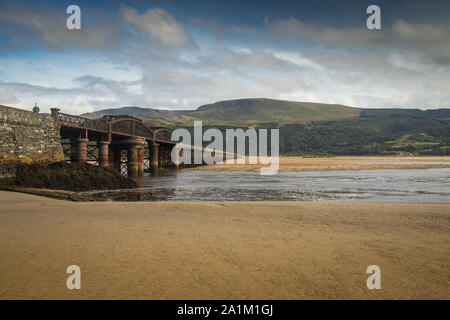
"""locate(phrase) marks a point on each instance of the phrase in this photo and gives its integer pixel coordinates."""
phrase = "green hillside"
(315, 128)
(257, 111)
(242, 112)
(410, 132)
(154, 117)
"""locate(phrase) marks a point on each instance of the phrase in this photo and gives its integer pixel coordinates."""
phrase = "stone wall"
(26, 136)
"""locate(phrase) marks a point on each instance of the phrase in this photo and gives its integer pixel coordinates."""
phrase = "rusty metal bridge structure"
(123, 142)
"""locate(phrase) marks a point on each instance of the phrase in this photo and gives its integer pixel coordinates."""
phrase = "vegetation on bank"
(67, 176)
(376, 135)
(380, 135)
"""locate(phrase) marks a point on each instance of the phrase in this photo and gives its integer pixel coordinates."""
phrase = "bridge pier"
(141, 160)
(111, 156)
(103, 153)
(162, 156)
(132, 161)
(177, 165)
(78, 152)
(135, 155)
(155, 156)
(117, 157)
(167, 163)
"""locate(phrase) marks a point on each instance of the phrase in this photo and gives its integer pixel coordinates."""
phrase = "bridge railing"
(69, 120)
(133, 128)
(124, 127)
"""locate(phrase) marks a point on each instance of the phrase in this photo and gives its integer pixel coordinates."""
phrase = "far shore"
(292, 164)
(222, 250)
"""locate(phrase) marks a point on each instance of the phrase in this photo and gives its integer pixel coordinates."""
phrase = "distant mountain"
(256, 111)
(315, 128)
(154, 117)
(246, 112)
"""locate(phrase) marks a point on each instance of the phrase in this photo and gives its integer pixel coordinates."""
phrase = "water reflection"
(370, 185)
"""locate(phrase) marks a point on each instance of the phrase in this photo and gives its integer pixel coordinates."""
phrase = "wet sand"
(222, 250)
(288, 164)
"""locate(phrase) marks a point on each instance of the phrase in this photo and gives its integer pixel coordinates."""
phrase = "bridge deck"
(121, 126)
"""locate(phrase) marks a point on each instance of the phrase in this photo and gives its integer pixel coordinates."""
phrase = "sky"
(182, 54)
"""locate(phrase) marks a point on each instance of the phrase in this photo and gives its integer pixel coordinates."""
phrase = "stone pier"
(103, 153)
(111, 156)
(155, 156)
(141, 160)
(132, 161)
(78, 152)
(135, 155)
(117, 157)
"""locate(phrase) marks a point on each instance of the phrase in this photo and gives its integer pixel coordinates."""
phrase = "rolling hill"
(315, 128)
(257, 111)
(241, 112)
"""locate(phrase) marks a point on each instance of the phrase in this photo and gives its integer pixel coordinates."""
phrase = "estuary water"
(426, 185)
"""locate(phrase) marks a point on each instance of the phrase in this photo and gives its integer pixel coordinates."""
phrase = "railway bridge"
(123, 142)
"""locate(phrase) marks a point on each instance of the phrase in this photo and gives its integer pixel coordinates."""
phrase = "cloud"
(421, 33)
(218, 29)
(26, 25)
(430, 40)
(89, 94)
(360, 80)
(159, 24)
(294, 28)
(148, 59)
(433, 40)
(394, 79)
(8, 96)
(246, 30)
(295, 59)
(46, 26)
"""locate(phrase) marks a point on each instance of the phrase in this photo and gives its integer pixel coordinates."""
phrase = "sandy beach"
(287, 164)
(222, 250)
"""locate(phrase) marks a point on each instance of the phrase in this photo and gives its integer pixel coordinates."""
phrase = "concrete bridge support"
(135, 155)
(103, 153)
(132, 161)
(141, 160)
(117, 157)
(78, 152)
(111, 156)
(167, 163)
(155, 156)
(162, 156)
(176, 165)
